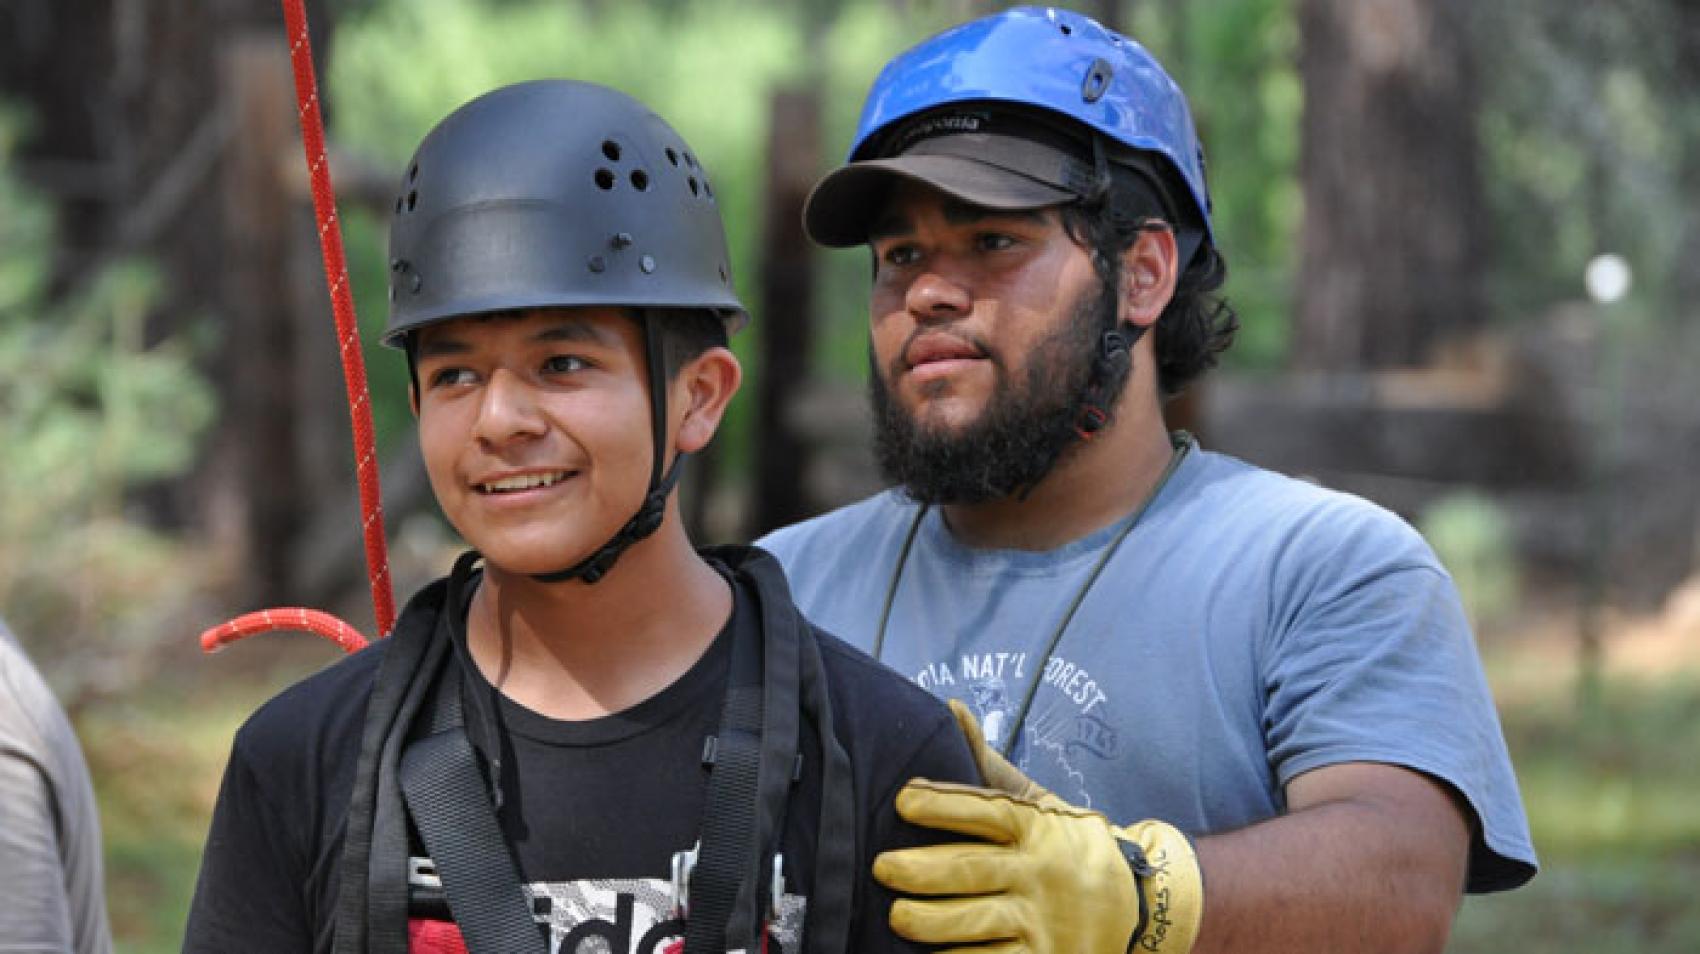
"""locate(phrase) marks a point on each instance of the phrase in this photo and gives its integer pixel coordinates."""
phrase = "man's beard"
(1023, 430)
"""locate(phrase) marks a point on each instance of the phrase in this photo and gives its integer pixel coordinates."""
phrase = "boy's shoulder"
(323, 715)
(873, 690)
(883, 719)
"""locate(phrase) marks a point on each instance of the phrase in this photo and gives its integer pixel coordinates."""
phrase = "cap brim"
(842, 206)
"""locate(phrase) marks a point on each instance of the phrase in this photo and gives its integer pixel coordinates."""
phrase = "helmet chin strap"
(1092, 407)
(654, 508)
(1115, 348)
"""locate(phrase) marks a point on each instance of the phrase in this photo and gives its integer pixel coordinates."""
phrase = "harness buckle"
(684, 862)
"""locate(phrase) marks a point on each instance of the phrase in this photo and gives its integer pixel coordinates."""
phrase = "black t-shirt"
(594, 810)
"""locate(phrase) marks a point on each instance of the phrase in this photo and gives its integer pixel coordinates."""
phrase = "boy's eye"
(449, 377)
(565, 364)
(994, 241)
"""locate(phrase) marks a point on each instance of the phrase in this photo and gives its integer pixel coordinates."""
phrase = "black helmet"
(560, 193)
(555, 193)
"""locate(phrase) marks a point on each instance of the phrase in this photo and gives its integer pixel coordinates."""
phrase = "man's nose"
(939, 294)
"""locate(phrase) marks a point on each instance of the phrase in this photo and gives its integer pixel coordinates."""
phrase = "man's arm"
(1368, 858)
(36, 914)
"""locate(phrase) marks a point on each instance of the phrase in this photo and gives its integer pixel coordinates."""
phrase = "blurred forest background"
(1408, 193)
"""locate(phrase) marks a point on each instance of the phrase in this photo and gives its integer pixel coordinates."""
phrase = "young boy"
(589, 726)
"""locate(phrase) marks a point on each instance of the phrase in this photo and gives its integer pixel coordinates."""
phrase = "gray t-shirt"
(1250, 628)
(52, 896)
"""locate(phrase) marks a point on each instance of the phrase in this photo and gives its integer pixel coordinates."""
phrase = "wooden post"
(254, 304)
(786, 322)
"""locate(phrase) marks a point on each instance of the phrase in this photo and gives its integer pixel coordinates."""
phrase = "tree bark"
(784, 327)
(1393, 239)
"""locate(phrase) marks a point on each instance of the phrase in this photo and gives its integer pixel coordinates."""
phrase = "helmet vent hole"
(604, 179)
(399, 202)
(611, 149)
(1066, 29)
(640, 180)
(722, 274)
(694, 187)
(413, 172)
(690, 160)
(412, 199)
(707, 189)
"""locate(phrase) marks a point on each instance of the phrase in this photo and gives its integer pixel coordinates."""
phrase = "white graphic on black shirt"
(634, 916)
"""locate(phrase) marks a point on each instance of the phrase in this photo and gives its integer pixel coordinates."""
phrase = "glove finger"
(995, 770)
(958, 921)
(964, 809)
(969, 725)
(962, 868)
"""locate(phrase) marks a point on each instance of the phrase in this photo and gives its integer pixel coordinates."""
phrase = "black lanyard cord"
(1182, 444)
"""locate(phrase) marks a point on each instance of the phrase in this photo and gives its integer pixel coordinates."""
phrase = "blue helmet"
(1065, 66)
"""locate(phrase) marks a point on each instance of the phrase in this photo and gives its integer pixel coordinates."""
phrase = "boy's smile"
(534, 427)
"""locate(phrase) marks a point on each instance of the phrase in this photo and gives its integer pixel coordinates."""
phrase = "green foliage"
(1473, 538)
(1237, 62)
(1589, 127)
(1612, 808)
(91, 411)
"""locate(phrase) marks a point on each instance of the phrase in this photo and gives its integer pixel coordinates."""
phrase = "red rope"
(353, 373)
(342, 306)
(292, 617)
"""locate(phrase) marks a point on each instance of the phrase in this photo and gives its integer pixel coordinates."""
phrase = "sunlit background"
(1464, 240)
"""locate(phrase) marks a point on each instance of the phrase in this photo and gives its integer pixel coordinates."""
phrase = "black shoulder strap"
(371, 912)
(839, 830)
(450, 804)
(754, 751)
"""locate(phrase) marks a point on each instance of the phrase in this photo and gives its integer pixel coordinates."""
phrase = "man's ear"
(700, 393)
(1150, 270)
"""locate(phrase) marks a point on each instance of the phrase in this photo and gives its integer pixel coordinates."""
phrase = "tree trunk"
(784, 326)
(135, 139)
(1393, 236)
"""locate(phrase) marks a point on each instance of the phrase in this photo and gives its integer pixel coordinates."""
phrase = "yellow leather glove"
(995, 770)
(1047, 877)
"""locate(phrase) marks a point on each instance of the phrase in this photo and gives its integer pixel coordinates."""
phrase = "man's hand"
(1047, 877)
(995, 770)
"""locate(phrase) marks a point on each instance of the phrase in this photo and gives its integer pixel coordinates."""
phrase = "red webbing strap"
(342, 307)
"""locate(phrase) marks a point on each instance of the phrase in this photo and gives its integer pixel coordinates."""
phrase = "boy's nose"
(509, 409)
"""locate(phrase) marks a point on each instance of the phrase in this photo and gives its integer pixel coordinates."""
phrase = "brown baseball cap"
(984, 156)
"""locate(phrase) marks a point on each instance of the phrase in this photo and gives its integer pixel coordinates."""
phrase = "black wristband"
(1142, 870)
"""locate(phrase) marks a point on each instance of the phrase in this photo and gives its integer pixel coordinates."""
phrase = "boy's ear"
(1149, 274)
(413, 398)
(701, 391)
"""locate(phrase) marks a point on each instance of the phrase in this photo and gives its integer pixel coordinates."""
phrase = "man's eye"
(994, 241)
(564, 364)
(900, 255)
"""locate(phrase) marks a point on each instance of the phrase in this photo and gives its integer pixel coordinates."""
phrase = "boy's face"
(535, 430)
